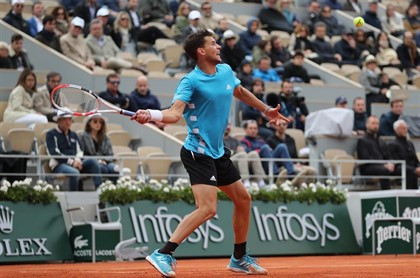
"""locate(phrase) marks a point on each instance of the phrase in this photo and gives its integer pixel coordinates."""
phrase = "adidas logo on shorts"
(213, 178)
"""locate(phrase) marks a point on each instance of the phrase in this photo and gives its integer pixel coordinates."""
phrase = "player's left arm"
(249, 98)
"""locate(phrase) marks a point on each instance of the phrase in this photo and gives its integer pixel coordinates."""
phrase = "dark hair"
(54, 12)
(265, 57)
(101, 132)
(47, 18)
(53, 74)
(195, 41)
(111, 75)
(395, 101)
(255, 81)
(247, 122)
(22, 78)
(272, 99)
(205, 3)
(16, 37)
(287, 80)
(357, 98)
(35, 3)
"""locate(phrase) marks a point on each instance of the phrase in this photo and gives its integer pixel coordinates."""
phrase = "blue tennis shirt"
(208, 98)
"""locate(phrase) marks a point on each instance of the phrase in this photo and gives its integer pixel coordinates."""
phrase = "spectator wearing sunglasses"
(14, 16)
(112, 93)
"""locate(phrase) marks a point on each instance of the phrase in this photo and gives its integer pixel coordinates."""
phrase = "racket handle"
(127, 113)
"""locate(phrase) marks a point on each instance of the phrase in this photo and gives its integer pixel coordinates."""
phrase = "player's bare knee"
(208, 211)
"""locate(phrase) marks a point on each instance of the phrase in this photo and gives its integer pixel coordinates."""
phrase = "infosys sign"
(32, 233)
(275, 229)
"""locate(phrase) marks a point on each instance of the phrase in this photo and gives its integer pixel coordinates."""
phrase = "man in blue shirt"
(264, 71)
(204, 97)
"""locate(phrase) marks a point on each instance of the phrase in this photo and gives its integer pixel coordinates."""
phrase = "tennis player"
(204, 96)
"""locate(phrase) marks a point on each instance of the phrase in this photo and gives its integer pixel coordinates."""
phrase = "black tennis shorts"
(203, 169)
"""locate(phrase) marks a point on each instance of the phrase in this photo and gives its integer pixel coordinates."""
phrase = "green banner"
(409, 207)
(393, 236)
(30, 233)
(276, 228)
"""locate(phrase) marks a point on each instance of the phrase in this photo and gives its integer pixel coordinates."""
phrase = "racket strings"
(75, 100)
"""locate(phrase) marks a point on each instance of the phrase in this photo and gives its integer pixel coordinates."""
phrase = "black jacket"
(291, 70)
(49, 39)
(360, 121)
(17, 21)
(274, 140)
(402, 149)
(349, 54)
(58, 143)
(371, 147)
(274, 20)
(372, 19)
(324, 50)
(232, 56)
(386, 124)
(404, 57)
(21, 59)
(121, 100)
(6, 63)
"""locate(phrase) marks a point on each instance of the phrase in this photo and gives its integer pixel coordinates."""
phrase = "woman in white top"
(392, 23)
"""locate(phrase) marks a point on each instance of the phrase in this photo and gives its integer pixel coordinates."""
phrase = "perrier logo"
(386, 233)
(378, 212)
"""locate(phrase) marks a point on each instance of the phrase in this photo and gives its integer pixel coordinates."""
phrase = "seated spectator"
(157, 11)
(69, 5)
(287, 12)
(104, 50)
(412, 20)
(142, 97)
(353, 6)
(408, 54)
(403, 149)
(294, 104)
(371, 147)
(41, 98)
(392, 23)
(249, 38)
(388, 119)
(302, 43)
(347, 49)
(323, 47)
(113, 95)
(250, 113)
(370, 80)
(311, 17)
(5, 60)
(9, 165)
(364, 42)
(86, 10)
(333, 4)
(62, 141)
(20, 107)
(194, 18)
(245, 74)
(341, 102)
(62, 21)
(223, 25)
(264, 71)
(371, 15)
(18, 55)
(360, 116)
(388, 83)
(386, 56)
(272, 19)
(181, 20)
(262, 49)
(244, 161)
(74, 46)
(279, 55)
(231, 53)
(95, 142)
(35, 22)
(103, 14)
(123, 34)
(48, 35)
(208, 20)
(334, 28)
(294, 69)
(14, 16)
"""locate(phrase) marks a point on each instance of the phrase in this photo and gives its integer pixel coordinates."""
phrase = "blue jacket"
(148, 101)
(58, 143)
(33, 27)
(386, 127)
(269, 75)
(252, 144)
(372, 19)
(248, 40)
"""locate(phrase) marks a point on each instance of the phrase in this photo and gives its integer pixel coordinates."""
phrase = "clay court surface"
(320, 266)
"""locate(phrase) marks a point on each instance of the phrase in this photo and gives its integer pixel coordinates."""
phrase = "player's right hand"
(141, 116)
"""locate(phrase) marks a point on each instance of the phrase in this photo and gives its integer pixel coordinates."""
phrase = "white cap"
(63, 114)
(228, 34)
(194, 15)
(102, 12)
(95, 116)
(77, 21)
(14, 2)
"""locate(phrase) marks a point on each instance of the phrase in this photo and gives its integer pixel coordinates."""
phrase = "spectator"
(5, 60)
(103, 15)
(250, 113)
(14, 16)
(223, 25)
(295, 105)
(264, 71)
(194, 18)
(48, 35)
(35, 22)
(20, 107)
(157, 11)
(104, 50)
(392, 23)
(74, 46)
(279, 54)
(249, 38)
(387, 120)
(353, 6)
(61, 141)
(245, 74)
(369, 78)
(208, 19)
(244, 161)
(113, 94)
(385, 54)
(371, 15)
(272, 19)
(311, 17)
(387, 83)
(323, 47)
(95, 142)
(347, 49)
(142, 97)
(86, 10)
(262, 49)
(302, 42)
(61, 20)
(112, 5)
(231, 53)
(123, 34)
(287, 12)
(334, 28)
(20, 59)
(341, 102)
(294, 70)
(70, 5)
(41, 98)
(369, 147)
(364, 42)
(412, 20)
(333, 4)
(408, 54)
(181, 21)
(403, 149)
(360, 116)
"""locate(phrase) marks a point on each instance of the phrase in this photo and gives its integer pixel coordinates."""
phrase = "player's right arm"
(168, 116)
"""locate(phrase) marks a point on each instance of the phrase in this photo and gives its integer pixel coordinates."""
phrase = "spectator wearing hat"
(341, 102)
(360, 116)
(42, 100)
(62, 141)
(388, 119)
(194, 18)
(86, 10)
(48, 35)
(347, 48)
(113, 94)
(208, 20)
(5, 60)
(231, 53)
(14, 16)
(18, 55)
(95, 142)
(371, 15)
(35, 22)
(294, 70)
(74, 46)
(103, 14)
(249, 38)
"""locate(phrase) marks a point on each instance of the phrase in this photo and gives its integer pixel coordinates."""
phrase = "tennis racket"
(82, 102)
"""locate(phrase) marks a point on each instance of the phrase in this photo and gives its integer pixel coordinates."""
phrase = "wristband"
(266, 109)
(155, 115)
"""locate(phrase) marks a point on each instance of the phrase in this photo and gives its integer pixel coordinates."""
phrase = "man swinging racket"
(204, 96)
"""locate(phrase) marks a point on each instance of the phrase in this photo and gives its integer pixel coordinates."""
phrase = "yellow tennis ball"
(359, 21)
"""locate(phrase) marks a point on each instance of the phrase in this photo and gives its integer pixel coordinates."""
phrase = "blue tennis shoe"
(164, 263)
(246, 264)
